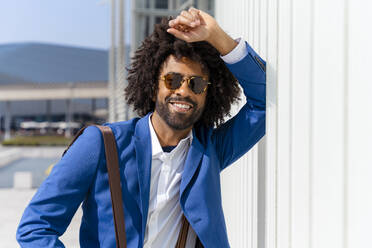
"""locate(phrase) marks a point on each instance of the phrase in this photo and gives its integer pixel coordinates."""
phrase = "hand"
(193, 25)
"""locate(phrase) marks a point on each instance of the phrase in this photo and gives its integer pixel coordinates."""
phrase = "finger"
(175, 23)
(180, 35)
(182, 28)
(192, 9)
(187, 15)
(194, 18)
(183, 20)
(202, 16)
(195, 13)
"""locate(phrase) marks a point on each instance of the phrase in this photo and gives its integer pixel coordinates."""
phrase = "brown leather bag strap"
(75, 138)
(112, 163)
(115, 189)
(182, 237)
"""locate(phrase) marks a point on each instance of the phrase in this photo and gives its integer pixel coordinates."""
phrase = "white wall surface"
(240, 187)
(318, 163)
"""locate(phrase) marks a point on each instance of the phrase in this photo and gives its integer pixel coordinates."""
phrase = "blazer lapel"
(192, 162)
(143, 157)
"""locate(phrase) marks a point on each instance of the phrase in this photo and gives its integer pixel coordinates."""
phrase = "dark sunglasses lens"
(198, 85)
(173, 81)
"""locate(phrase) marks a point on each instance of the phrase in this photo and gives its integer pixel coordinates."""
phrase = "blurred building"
(145, 13)
(51, 83)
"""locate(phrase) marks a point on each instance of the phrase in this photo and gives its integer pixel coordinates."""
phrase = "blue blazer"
(81, 176)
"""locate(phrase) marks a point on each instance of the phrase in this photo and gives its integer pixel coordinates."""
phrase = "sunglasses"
(174, 81)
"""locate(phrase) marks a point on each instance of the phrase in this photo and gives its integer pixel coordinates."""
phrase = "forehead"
(184, 65)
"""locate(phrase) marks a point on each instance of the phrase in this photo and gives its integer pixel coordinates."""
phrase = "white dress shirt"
(164, 215)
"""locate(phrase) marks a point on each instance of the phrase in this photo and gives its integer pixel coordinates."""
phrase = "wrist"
(220, 40)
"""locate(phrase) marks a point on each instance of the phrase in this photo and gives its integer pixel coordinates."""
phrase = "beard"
(176, 120)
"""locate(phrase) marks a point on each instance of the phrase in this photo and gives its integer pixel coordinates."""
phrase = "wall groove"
(346, 123)
(311, 131)
(291, 106)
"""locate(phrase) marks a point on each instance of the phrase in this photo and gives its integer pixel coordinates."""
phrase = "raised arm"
(235, 137)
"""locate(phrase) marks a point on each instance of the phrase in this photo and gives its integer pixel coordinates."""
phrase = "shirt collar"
(155, 144)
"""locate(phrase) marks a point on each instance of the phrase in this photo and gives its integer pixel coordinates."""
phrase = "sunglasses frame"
(188, 79)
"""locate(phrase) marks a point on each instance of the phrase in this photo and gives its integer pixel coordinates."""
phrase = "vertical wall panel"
(301, 85)
(328, 120)
(359, 122)
(284, 82)
(240, 181)
(271, 170)
(262, 28)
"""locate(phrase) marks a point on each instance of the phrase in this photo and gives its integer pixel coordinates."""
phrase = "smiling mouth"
(182, 107)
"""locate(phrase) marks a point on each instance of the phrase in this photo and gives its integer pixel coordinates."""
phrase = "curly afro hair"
(147, 62)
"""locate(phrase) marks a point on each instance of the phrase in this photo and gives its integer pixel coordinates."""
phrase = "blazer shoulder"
(123, 130)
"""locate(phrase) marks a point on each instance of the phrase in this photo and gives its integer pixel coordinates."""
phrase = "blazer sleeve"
(57, 199)
(239, 134)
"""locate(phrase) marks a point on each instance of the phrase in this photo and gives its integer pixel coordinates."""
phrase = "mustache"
(181, 99)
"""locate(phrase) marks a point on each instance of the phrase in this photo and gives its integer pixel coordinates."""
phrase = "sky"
(84, 23)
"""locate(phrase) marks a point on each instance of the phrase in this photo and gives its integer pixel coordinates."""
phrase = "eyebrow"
(186, 75)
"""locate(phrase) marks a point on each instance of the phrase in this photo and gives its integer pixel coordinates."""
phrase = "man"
(182, 82)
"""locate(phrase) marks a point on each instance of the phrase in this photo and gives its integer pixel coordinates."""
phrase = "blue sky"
(70, 22)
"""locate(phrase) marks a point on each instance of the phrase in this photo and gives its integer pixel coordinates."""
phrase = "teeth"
(179, 105)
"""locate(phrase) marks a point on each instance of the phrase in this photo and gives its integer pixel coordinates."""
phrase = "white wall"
(240, 188)
(318, 168)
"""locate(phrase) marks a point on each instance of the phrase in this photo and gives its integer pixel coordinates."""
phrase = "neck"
(167, 136)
